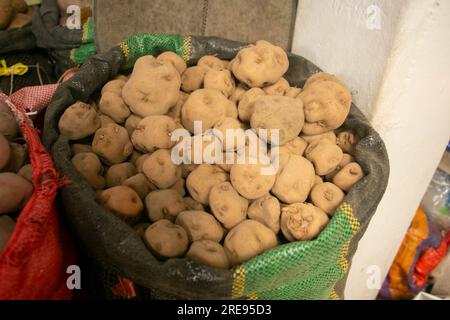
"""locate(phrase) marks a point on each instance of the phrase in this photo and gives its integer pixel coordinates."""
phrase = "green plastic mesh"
(139, 45)
(87, 49)
(319, 264)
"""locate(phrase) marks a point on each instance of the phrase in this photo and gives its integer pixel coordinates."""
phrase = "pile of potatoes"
(217, 214)
(16, 185)
(14, 14)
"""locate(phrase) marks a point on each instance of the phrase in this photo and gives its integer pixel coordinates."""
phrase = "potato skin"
(118, 173)
(278, 88)
(192, 78)
(294, 180)
(123, 202)
(246, 105)
(266, 210)
(325, 156)
(347, 141)
(296, 146)
(227, 205)
(8, 125)
(131, 123)
(348, 176)
(90, 167)
(17, 158)
(80, 148)
(220, 80)
(6, 13)
(5, 151)
(200, 181)
(209, 253)
(164, 204)
(174, 59)
(247, 240)
(326, 106)
(327, 197)
(302, 221)
(112, 144)
(160, 170)
(249, 182)
(153, 87)
(212, 63)
(329, 135)
(153, 132)
(166, 240)
(192, 204)
(282, 113)
(26, 172)
(15, 192)
(112, 105)
(79, 121)
(200, 225)
(206, 105)
(260, 65)
(140, 184)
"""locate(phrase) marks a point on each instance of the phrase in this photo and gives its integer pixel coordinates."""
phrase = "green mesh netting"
(140, 45)
(318, 264)
(87, 49)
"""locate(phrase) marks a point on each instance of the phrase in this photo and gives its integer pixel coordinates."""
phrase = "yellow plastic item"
(18, 69)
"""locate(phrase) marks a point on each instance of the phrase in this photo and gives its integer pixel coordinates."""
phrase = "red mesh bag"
(34, 263)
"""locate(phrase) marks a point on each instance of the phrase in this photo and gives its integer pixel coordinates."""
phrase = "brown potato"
(164, 204)
(160, 170)
(166, 240)
(123, 202)
(175, 111)
(209, 253)
(278, 88)
(246, 105)
(192, 78)
(219, 80)
(229, 127)
(346, 159)
(186, 169)
(153, 87)
(112, 144)
(227, 205)
(174, 59)
(7, 226)
(212, 63)
(321, 76)
(118, 173)
(296, 146)
(282, 113)
(327, 197)
(260, 65)
(179, 187)
(90, 167)
(266, 210)
(294, 180)
(79, 121)
(247, 240)
(330, 136)
(113, 105)
(115, 85)
(200, 181)
(237, 94)
(105, 120)
(26, 172)
(5, 151)
(8, 125)
(154, 132)
(325, 156)
(326, 106)
(6, 13)
(139, 163)
(200, 225)
(348, 176)
(80, 148)
(15, 192)
(249, 182)
(317, 180)
(347, 141)
(292, 92)
(302, 221)
(19, 21)
(131, 123)
(17, 157)
(140, 184)
(205, 105)
(20, 6)
(192, 204)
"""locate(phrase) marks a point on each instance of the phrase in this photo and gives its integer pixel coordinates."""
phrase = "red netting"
(34, 263)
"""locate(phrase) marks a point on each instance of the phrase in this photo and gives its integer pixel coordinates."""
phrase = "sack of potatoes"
(207, 168)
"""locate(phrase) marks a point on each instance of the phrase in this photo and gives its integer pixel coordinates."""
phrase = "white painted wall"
(334, 34)
(404, 92)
